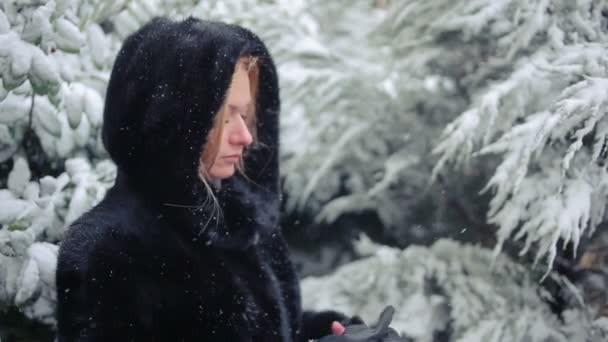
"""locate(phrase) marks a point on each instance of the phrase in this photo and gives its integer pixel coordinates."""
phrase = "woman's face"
(235, 132)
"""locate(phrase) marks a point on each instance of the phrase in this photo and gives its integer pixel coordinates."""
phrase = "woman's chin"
(223, 172)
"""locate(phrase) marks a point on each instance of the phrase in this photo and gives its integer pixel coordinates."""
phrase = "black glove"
(316, 324)
(362, 333)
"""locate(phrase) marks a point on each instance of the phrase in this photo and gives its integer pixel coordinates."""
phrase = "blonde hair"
(211, 147)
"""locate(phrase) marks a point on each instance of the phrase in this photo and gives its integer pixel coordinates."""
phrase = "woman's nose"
(241, 134)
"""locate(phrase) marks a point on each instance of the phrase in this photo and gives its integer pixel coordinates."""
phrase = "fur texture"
(152, 261)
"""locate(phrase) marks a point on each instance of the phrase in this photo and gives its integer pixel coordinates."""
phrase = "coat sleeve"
(98, 301)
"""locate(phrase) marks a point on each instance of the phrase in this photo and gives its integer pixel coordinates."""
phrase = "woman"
(186, 246)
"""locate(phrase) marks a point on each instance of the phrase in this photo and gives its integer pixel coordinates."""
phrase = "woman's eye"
(241, 114)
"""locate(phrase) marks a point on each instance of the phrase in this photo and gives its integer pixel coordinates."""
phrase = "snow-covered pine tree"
(54, 63)
(535, 73)
(366, 121)
(523, 81)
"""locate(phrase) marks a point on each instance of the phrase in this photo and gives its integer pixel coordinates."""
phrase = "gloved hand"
(362, 333)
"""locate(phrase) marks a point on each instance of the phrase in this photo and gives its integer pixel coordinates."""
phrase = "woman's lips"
(232, 158)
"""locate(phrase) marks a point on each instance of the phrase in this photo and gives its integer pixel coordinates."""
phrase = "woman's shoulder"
(103, 233)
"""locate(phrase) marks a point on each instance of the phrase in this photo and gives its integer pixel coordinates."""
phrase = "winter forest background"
(445, 157)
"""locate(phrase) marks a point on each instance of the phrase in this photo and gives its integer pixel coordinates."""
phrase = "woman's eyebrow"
(236, 107)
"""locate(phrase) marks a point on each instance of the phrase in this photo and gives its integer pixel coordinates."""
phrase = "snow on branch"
(55, 66)
(539, 117)
(449, 289)
(34, 216)
(547, 208)
(378, 198)
(581, 110)
(497, 108)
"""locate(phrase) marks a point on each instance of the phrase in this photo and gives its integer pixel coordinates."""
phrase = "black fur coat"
(152, 262)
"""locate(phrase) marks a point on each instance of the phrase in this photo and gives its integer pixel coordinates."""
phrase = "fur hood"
(168, 82)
